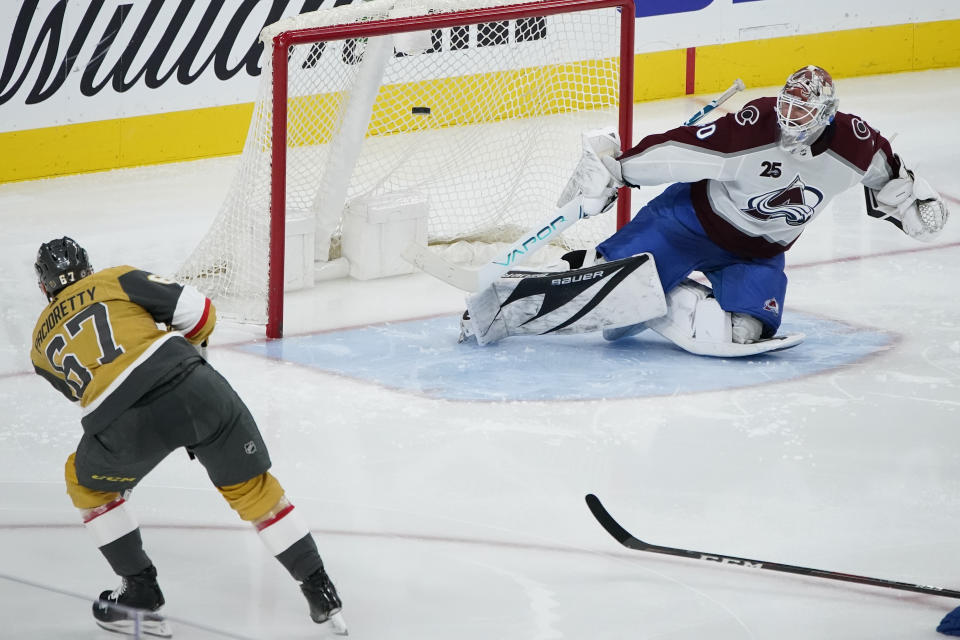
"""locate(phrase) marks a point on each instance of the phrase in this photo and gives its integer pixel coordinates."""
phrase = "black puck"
(420, 111)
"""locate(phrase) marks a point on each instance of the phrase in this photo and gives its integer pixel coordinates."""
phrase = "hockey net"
(476, 106)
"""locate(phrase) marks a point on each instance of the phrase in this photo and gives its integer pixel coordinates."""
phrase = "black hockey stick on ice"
(625, 538)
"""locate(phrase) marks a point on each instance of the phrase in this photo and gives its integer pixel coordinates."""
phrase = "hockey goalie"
(741, 191)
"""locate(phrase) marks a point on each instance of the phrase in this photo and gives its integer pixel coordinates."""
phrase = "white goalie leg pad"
(696, 323)
(680, 318)
(746, 328)
(711, 323)
(613, 294)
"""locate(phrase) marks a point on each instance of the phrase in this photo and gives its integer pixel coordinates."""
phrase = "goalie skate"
(695, 322)
(683, 340)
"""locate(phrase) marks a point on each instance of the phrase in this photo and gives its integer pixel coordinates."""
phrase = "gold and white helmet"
(806, 104)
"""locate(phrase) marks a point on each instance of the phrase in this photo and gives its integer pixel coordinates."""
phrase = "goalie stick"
(628, 540)
(476, 279)
(716, 102)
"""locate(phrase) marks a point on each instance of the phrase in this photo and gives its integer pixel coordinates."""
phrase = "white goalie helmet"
(806, 104)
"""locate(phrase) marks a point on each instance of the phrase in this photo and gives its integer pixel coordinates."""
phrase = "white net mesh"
(484, 120)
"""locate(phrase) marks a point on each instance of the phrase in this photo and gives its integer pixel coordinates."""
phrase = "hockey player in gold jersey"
(123, 343)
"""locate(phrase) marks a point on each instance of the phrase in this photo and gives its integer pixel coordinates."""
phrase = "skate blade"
(159, 628)
(338, 625)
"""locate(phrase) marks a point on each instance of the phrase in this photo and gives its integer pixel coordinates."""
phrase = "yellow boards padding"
(125, 142)
(856, 52)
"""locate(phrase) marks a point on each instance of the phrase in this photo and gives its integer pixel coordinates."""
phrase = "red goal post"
(283, 151)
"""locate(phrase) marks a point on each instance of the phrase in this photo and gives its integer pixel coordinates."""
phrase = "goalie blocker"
(620, 298)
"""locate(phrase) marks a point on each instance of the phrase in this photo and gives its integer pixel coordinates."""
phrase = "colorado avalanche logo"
(748, 115)
(861, 129)
(796, 204)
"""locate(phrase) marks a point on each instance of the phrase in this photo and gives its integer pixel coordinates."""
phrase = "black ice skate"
(324, 602)
(132, 607)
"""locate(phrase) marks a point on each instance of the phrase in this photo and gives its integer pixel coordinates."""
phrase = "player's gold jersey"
(103, 341)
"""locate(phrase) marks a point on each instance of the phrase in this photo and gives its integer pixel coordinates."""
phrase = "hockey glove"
(919, 208)
(597, 176)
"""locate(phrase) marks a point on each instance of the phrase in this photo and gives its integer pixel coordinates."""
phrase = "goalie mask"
(60, 263)
(806, 104)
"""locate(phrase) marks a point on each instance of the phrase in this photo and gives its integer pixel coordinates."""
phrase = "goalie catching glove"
(910, 203)
(597, 176)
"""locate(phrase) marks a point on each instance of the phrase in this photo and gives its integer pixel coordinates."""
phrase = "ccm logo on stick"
(723, 560)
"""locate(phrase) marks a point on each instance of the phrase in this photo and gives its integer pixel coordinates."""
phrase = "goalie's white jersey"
(752, 197)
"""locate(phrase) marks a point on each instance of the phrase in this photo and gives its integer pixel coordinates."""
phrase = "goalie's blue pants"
(950, 625)
(668, 228)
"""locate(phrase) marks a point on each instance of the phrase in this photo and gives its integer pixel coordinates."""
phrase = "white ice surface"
(442, 519)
